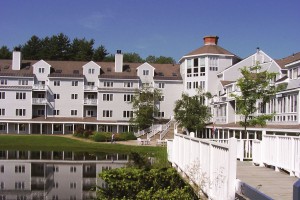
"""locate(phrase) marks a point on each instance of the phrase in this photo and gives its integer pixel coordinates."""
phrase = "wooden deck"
(277, 185)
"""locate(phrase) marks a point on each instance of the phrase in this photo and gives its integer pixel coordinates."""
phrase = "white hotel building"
(46, 97)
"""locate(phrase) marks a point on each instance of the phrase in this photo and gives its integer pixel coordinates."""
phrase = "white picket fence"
(282, 152)
(209, 165)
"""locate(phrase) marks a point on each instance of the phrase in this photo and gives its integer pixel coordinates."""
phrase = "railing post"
(232, 168)
(262, 148)
(292, 167)
(277, 154)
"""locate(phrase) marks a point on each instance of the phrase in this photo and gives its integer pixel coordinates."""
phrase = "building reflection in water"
(54, 175)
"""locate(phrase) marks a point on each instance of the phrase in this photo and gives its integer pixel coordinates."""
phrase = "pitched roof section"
(74, 69)
(287, 60)
(210, 49)
(227, 82)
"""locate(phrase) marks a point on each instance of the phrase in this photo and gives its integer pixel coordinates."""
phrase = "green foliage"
(191, 111)
(100, 53)
(82, 133)
(82, 50)
(255, 85)
(133, 183)
(144, 107)
(5, 53)
(139, 161)
(160, 60)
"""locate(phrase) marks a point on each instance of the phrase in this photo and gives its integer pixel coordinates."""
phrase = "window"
(56, 96)
(74, 83)
(20, 95)
(1, 168)
(127, 114)
(55, 169)
(41, 95)
(162, 98)
(91, 71)
(20, 169)
(213, 63)
(202, 85)
(161, 114)
(189, 63)
(20, 127)
(41, 70)
(73, 185)
(202, 62)
(2, 95)
(74, 96)
(161, 85)
(188, 85)
(107, 97)
(73, 112)
(128, 84)
(107, 113)
(40, 112)
(2, 197)
(23, 82)
(108, 84)
(21, 197)
(195, 62)
(202, 71)
(55, 184)
(19, 185)
(2, 111)
(2, 127)
(3, 82)
(20, 112)
(145, 72)
(128, 97)
(1, 185)
(56, 83)
(55, 112)
(91, 83)
(195, 84)
(72, 169)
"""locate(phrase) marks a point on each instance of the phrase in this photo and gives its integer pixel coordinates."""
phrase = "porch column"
(128, 128)
(223, 134)
(97, 127)
(233, 133)
(7, 128)
(41, 128)
(240, 134)
(117, 128)
(18, 128)
(63, 128)
(255, 135)
(52, 128)
(84, 126)
(29, 128)
(73, 128)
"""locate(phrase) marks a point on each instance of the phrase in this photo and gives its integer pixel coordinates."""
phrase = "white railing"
(154, 130)
(165, 129)
(209, 165)
(39, 87)
(39, 100)
(90, 101)
(90, 87)
(284, 118)
(279, 151)
(142, 132)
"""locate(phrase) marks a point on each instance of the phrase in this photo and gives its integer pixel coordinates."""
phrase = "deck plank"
(277, 185)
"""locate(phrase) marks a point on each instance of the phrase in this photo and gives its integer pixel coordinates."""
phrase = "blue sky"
(158, 27)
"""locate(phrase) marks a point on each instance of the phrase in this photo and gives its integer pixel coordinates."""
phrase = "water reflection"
(54, 175)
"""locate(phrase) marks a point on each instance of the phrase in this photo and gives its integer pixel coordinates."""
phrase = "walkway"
(277, 185)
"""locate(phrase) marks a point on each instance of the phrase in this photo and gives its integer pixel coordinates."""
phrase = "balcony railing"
(90, 101)
(39, 101)
(90, 88)
(39, 87)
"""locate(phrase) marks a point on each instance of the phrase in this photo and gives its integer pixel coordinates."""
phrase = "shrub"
(125, 136)
(101, 137)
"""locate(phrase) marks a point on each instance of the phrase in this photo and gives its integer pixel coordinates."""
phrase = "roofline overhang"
(205, 54)
(293, 63)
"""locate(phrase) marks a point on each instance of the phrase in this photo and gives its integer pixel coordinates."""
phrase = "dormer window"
(128, 84)
(91, 71)
(41, 70)
(145, 72)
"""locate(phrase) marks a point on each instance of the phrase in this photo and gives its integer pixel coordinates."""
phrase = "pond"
(40, 175)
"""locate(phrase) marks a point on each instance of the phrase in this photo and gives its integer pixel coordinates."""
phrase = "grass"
(58, 143)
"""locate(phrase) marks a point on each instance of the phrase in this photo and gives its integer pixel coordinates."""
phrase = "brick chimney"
(211, 40)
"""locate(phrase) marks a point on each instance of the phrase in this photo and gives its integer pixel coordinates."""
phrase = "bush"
(125, 136)
(101, 137)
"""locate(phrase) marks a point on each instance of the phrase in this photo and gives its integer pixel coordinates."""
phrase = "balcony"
(90, 102)
(39, 101)
(39, 87)
(90, 88)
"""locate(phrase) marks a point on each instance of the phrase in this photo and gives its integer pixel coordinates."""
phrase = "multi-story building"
(57, 96)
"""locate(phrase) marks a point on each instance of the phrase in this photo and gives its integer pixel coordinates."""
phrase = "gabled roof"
(227, 82)
(287, 60)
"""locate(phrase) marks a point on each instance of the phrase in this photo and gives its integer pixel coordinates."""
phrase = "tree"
(82, 50)
(32, 49)
(191, 111)
(160, 60)
(100, 53)
(255, 85)
(132, 58)
(5, 53)
(144, 107)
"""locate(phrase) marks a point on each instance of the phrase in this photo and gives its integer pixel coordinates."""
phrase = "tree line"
(61, 47)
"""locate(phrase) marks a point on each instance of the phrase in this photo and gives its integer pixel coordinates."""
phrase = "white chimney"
(119, 61)
(16, 61)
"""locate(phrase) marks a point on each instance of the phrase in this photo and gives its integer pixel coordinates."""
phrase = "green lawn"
(48, 143)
